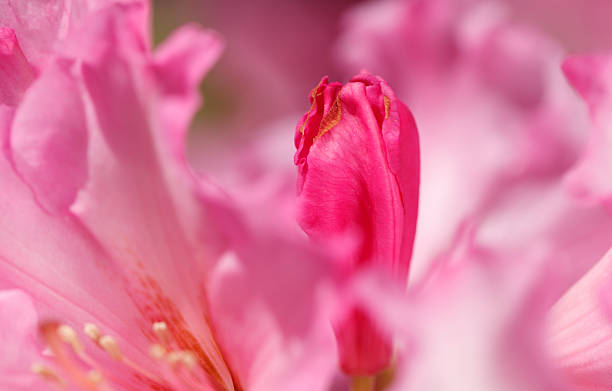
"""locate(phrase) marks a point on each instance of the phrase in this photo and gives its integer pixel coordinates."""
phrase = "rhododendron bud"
(358, 161)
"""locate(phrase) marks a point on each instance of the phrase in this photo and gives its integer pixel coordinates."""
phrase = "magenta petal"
(17, 341)
(180, 63)
(358, 162)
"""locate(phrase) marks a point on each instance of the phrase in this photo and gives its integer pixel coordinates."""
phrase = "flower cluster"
(450, 230)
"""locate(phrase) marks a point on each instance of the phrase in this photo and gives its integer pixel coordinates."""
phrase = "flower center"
(73, 364)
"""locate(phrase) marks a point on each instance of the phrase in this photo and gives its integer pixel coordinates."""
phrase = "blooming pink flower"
(135, 274)
(358, 161)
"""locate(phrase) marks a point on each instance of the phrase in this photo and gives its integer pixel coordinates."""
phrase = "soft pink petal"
(57, 262)
(17, 341)
(15, 71)
(542, 215)
(591, 76)
(41, 25)
(476, 325)
(62, 260)
(49, 136)
(38, 25)
(580, 330)
(180, 64)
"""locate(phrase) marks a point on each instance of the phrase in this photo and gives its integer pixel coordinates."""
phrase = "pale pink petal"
(38, 25)
(41, 25)
(49, 136)
(542, 215)
(138, 203)
(17, 342)
(476, 325)
(57, 262)
(180, 63)
(591, 76)
(60, 259)
(274, 325)
(580, 330)
(15, 71)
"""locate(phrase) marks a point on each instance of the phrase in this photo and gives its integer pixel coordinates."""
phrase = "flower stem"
(363, 383)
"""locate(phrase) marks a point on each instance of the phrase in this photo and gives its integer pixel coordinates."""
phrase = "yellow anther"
(157, 351)
(45, 373)
(92, 331)
(161, 331)
(109, 344)
(68, 335)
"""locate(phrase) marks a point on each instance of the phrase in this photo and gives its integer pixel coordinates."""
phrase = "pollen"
(331, 119)
(387, 103)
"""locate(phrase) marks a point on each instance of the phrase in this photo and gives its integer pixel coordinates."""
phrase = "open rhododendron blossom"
(451, 228)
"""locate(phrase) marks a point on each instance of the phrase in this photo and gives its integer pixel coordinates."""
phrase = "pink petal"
(180, 64)
(156, 218)
(591, 76)
(476, 325)
(580, 330)
(15, 71)
(49, 137)
(38, 25)
(56, 261)
(41, 25)
(270, 303)
(17, 341)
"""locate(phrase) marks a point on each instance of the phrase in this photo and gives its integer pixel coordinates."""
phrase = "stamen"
(92, 331)
(157, 351)
(46, 373)
(109, 344)
(161, 330)
(69, 336)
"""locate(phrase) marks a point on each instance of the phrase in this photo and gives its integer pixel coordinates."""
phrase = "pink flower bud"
(358, 161)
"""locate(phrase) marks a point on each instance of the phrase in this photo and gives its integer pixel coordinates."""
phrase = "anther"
(92, 331)
(69, 336)
(157, 351)
(45, 373)
(109, 344)
(161, 331)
